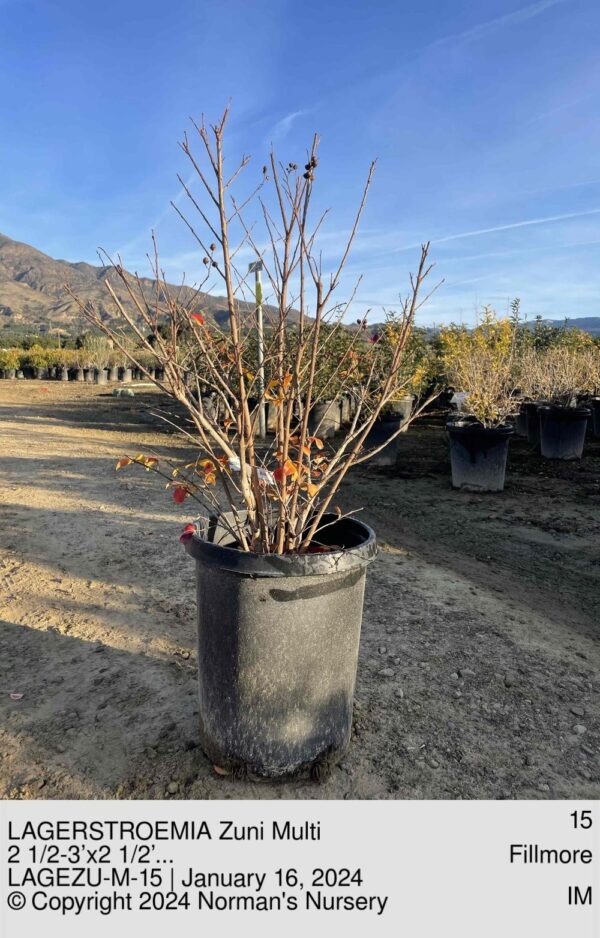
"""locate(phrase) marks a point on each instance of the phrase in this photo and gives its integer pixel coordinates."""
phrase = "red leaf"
(198, 317)
(180, 494)
(187, 533)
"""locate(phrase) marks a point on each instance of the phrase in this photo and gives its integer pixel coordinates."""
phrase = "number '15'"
(582, 819)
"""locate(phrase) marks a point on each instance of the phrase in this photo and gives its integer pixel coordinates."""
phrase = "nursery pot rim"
(464, 427)
(247, 564)
(564, 411)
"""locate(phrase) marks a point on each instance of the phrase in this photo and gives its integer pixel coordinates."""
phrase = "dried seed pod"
(205, 260)
(213, 247)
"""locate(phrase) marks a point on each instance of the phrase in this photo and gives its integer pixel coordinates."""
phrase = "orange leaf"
(312, 489)
(125, 461)
(198, 317)
(207, 465)
(210, 478)
(288, 470)
(317, 441)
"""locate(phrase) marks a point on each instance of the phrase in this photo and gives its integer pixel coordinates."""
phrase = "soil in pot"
(562, 431)
(478, 455)
(278, 649)
(381, 431)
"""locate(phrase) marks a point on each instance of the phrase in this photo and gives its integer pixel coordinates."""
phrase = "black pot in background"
(594, 404)
(278, 641)
(324, 419)
(521, 422)
(403, 408)
(562, 431)
(382, 430)
(532, 421)
(478, 455)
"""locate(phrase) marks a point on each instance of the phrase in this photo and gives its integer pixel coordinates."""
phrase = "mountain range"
(33, 295)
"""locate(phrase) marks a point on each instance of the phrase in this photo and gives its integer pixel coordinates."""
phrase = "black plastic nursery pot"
(478, 455)
(278, 639)
(562, 431)
(594, 405)
(532, 422)
(381, 431)
(521, 421)
(404, 408)
(324, 419)
(345, 409)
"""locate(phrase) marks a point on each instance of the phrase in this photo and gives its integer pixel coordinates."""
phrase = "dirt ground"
(478, 675)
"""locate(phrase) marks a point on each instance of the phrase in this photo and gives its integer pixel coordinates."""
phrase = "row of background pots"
(478, 454)
(88, 375)
(327, 418)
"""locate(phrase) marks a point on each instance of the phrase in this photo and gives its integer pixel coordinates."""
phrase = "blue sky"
(483, 117)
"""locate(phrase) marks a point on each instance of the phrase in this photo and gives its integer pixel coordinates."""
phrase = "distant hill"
(33, 297)
(589, 324)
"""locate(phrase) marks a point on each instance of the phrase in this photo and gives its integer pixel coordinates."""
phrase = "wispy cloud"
(482, 30)
(283, 126)
(516, 224)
